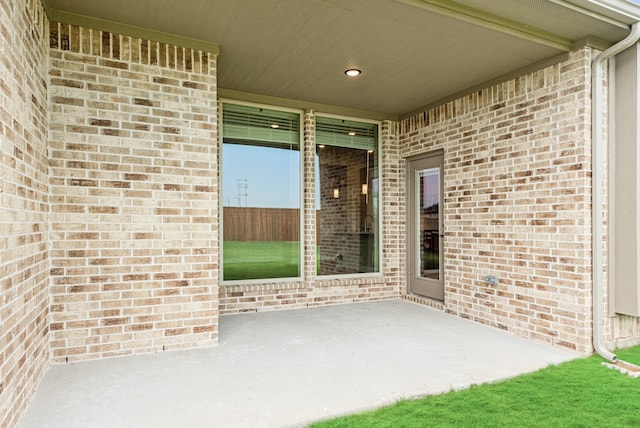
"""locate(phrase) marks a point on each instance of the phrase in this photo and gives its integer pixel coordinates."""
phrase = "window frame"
(301, 240)
(378, 222)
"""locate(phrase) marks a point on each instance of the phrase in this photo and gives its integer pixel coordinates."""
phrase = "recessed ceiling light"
(351, 134)
(353, 72)
(275, 126)
(321, 146)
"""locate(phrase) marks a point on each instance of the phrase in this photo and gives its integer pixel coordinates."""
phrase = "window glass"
(347, 196)
(260, 193)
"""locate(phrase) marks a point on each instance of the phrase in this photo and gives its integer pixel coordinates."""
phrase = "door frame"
(429, 288)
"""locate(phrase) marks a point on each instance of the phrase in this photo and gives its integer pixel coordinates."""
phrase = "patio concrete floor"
(288, 368)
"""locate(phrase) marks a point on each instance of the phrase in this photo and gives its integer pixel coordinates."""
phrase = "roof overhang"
(413, 53)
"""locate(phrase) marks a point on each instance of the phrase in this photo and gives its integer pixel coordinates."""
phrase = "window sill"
(298, 283)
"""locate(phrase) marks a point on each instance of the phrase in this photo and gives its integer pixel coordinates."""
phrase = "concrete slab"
(288, 368)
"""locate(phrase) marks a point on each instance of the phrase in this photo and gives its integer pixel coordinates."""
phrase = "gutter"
(620, 10)
(597, 146)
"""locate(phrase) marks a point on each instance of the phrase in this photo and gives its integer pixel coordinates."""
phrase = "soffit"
(570, 19)
(412, 52)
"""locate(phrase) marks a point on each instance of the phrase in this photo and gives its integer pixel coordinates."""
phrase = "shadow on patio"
(288, 368)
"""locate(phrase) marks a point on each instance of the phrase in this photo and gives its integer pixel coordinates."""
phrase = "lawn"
(580, 393)
(430, 260)
(261, 259)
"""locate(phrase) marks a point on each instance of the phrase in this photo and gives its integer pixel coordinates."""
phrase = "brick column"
(309, 201)
(392, 208)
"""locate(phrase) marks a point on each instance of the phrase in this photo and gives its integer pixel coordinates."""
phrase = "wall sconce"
(336, 193)
(364, 188)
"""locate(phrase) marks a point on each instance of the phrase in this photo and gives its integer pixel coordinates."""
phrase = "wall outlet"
(491, 280)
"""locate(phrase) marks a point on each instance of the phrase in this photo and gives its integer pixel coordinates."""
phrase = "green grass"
(580, 393)
(430, 260)
(260, 259)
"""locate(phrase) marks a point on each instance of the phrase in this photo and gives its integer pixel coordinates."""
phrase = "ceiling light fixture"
(351, 134)
(275, 126)
(353, 72)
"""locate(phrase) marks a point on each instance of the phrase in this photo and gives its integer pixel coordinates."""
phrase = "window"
(347, 196)
(260, 193)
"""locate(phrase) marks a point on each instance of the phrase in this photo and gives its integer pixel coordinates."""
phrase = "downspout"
(597, 147)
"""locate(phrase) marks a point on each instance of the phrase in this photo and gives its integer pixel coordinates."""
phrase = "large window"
(347, 196)
(260, 193)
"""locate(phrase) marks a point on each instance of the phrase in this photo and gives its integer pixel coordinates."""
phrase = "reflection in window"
(260, 193)
(347, 196)
(429, 218)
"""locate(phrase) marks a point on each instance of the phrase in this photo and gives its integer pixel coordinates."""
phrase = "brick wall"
(109, 226)
(119, 212)
(134, 195)
(392, 200)
(24, 204)
(517, 201)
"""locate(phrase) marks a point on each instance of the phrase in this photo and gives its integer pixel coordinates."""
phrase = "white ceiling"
(412, 52)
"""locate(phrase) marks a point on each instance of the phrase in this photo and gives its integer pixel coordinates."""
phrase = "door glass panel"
(428, 219)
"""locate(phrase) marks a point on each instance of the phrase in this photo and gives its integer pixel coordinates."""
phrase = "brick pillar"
(393, 212)
(309, 201)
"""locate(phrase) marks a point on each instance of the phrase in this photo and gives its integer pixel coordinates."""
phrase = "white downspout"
(597, 120)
